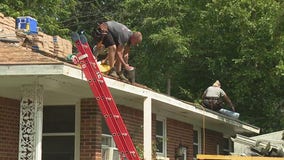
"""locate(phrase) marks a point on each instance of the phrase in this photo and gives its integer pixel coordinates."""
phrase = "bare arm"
(204, 94)
(120, 51)
(126, 53)
(228, 100)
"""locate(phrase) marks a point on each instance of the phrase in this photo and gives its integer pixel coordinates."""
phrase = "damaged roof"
(14, 53)
(25, 63)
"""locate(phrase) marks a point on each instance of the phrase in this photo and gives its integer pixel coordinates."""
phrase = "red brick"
(9, 128)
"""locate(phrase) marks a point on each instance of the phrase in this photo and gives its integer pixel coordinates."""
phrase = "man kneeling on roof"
(213, 97)
(118, 39)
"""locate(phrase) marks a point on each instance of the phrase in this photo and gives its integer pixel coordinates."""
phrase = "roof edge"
(76, 72)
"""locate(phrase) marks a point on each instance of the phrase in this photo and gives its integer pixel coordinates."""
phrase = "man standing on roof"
(213, 96)
(117, 38)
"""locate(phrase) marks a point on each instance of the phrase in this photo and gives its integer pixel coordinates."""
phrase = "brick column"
(90, 140)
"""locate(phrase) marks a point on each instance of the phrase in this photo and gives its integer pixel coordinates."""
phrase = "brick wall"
(179, 132)
(90, 145)
(212, 138)
(133, 119)
(9, 128)
(90, 139)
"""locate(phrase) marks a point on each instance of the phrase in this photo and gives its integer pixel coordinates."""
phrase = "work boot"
(121, 76)
(113, 73)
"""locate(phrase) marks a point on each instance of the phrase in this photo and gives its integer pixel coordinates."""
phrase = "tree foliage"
(49, 14)
(194, 43)
(60, 17)
(165, 46)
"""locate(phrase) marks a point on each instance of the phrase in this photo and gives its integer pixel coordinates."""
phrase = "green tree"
(60, 17)
(49, 14)
(87, 14)
(164, 46)
(194, 43)
(249, 53)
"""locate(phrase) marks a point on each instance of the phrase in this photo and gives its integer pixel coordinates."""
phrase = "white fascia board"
(250, 128)
(78, 74)
(127, 88)
(30, 69)
(73, 72)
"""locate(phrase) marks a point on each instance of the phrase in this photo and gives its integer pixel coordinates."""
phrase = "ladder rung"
(109, 116)
(94, 65)
(117, 134)
(101, 98)
(100, 81)
(99, 74)
(115, 116)
(124, 134)
(83, 65)
(108, 98)
(83, 56)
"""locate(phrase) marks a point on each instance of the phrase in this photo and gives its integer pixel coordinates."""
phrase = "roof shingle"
(13, 53)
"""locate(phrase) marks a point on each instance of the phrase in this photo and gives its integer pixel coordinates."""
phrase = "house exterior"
(48, 112)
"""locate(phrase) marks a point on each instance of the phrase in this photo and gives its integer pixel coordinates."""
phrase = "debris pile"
(7, 24)
(7, 29)
(258, 146)
(52, 46)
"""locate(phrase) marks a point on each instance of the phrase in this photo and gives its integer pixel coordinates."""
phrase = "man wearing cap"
(213, 96)
(117, 38)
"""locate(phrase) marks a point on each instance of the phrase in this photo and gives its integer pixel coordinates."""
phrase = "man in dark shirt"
(117, 39)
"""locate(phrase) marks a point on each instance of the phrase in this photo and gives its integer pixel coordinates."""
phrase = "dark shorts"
(104, 36)
(108, 40)
(212, 103)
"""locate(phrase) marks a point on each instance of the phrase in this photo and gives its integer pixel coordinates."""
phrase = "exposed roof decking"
(13, 53)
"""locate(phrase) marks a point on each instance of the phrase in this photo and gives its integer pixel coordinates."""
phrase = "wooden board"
(221, 157)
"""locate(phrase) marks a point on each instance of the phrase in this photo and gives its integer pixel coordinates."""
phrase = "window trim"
(112, 145)
(164, 137)
(229, 148)
(199, 138)
(76, 132)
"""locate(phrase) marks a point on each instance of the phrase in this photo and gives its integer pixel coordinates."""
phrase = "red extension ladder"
(104, 98)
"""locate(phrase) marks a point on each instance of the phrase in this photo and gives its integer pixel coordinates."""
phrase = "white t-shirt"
(214, 92)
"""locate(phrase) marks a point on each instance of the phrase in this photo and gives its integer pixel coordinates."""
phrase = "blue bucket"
(229, 113)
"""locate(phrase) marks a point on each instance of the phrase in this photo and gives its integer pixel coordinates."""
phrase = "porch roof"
(65, 84)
